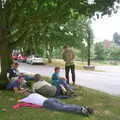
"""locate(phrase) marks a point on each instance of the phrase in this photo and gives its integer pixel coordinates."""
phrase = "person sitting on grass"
(16, 85)
(13, 73)
(54, 104)
(60, 81)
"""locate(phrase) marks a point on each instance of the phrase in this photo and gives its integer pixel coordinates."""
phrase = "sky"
(105, 28)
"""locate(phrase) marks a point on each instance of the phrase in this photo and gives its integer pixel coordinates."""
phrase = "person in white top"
(34, 98)
(54, 104)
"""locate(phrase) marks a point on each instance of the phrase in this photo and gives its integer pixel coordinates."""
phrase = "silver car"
(34, 59)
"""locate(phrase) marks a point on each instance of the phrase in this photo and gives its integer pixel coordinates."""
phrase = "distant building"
(106, 44)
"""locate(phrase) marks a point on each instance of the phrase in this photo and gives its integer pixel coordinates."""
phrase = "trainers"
(87, 111)
(63, 88)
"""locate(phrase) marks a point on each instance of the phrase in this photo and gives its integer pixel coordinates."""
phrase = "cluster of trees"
(74, 32)
(29, 23)
(111, 53)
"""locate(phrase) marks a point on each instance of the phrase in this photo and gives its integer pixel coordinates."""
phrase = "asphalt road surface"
(107, 81)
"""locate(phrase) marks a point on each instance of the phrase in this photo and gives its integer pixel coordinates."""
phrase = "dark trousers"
(67, 70)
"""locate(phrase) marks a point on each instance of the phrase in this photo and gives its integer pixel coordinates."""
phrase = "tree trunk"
(89, 53)
(89, 47)
(4, 45)
(4, 59)
(49, 54)
(49, 59)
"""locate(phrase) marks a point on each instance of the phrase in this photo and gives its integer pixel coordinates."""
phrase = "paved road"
(108, 81)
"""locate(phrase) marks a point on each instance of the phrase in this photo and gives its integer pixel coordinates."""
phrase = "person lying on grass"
(54, 104)
(60, 81)
(43, 87)
(16, 85)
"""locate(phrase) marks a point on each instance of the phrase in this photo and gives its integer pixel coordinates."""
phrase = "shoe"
(73, 83)
(87, 111)
(63, 88)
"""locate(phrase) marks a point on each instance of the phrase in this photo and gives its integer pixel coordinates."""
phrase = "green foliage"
(111, 53)
(114, 53)
(104, 110)
(33, 22)
(99, 51)
(25, 20)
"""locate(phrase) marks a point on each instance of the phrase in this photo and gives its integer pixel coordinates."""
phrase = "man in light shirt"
(43, 87)
(69, 56)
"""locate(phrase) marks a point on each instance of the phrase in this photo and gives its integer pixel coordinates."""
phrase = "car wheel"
(27, 62)
(31, 63)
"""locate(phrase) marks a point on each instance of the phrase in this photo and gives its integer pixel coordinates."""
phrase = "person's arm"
(33, 88)
(8, 77)
(62, 78)
(46, 83)
(72, 55)
(63, 56)
(17, 91)
(18, 72)
(55, 79)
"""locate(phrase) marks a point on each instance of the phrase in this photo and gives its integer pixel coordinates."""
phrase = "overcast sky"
(104, 28)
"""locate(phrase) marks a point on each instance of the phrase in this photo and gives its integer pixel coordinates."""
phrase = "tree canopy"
(27, 20)
(22, 17)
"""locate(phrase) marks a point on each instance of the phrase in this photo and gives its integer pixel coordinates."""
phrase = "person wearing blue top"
(13, 73)
(55, 77)
(16, 86)
(60, 82)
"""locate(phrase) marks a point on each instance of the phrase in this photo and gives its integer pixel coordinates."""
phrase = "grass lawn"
(107, 107)
(61, 63)
(80, 64)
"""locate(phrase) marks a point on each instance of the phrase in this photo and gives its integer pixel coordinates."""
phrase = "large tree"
(19, 18)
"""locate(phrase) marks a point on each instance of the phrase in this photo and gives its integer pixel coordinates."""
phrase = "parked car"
(14, 57)
(22, 58)
(34, 59)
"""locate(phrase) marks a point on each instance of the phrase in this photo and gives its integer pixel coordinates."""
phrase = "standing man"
(68, 57)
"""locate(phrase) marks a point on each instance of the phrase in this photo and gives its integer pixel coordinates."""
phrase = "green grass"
(61, 63)
(80, 64)
(106, 107)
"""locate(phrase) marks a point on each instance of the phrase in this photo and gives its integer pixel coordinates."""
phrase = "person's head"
(37, 77)
(21, 79)
(15, 65)
(57, 69)
(66, 48)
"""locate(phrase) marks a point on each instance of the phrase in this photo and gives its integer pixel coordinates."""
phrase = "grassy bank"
(60, 62)
(80, 64)
(106, 107)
